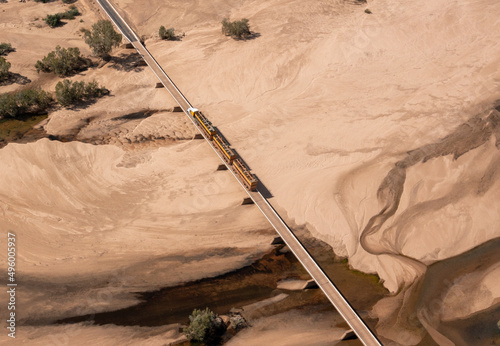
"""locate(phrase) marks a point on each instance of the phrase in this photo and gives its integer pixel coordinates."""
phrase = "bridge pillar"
(177, 109)
(277, 241)
(198, 136)
(159, 85)
(247, 200)
(222, 167)
(127, 45)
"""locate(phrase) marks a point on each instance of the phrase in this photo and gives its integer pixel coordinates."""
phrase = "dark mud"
(21, 130)
(174, 304)
(244, 286)
(25, 130)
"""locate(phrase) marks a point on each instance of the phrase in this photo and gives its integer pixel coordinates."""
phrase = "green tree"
(33, 100)
(239, 29)
(8, 105)
(28, 101)
(70, 93)
(204, 326)
(102, 38)
(167, 34)
(4, 68)
(53, 20)
(62, 61)
(5, 48)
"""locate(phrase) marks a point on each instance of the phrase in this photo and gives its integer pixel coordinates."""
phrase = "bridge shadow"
(263, 189)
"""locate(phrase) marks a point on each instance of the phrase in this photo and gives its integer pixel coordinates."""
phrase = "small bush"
(70, 14)
(53, 20)
(4, 68)
(70, 93)
(239, 29)
(204, 326)
(62, 61)
(44, 1)
(28, 101)
(167, 34)
(238, 322)
(368, 11)
(5, 48)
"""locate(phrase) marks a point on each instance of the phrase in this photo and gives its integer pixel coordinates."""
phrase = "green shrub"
(239, 29)
(368, 11)
(53, 20)
(167, 34)
(70, 14)
(102, 38)
(204, 326)
(28, 101)
(4, 68)
(5, 48)
(62, 61)
(44, 1)
(238, 322)
(8, 106)
(70, 93)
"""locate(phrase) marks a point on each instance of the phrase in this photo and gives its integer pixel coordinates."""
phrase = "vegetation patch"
(70, 93)
(102, 38)
(35, 101)
(5, 48)
(167, 34)
(4, 69)
(24, 102)
(71, 13)
(205, 326)
(54, 20)
(239, 29)
(63, 62)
